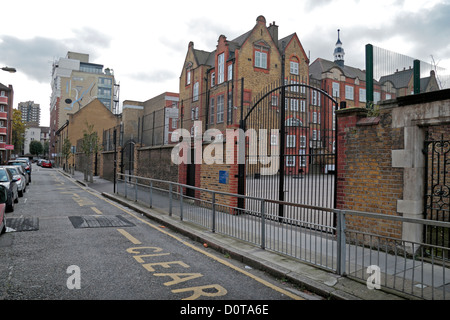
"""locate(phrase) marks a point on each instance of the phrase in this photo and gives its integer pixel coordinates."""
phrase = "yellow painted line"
(96, 210)
(129, 236)
(222, 261)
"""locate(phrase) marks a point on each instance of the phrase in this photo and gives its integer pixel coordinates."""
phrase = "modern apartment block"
(31, 112)
(75, 83)
(6, 110)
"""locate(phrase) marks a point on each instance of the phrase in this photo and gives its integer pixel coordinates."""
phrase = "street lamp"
(8, 69)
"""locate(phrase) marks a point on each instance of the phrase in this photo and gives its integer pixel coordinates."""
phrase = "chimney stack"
(273, 30)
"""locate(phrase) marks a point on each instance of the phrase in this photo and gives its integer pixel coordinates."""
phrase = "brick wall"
(156, 163)
(366, 179)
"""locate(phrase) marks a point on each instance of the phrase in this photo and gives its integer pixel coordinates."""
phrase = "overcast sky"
(145, 42)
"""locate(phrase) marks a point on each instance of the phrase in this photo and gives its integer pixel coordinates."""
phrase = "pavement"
(320, 282)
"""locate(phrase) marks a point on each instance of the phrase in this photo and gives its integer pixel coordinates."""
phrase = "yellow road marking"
(222, 261)
(96, 210)
(129, 236)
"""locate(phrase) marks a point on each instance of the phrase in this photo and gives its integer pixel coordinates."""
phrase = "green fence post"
(416, 76)
(369, 75)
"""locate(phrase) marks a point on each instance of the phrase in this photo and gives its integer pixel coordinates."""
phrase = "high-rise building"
(31, 112)
(75, 83)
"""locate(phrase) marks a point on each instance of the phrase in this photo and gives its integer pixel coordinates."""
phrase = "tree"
(36, 147)
(89, 145)
(46, 148)
(66, 151)
(18, 131)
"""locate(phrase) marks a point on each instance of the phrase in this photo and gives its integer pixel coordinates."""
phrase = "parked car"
(46, 164)
(22, 171)
(7, 180)
(22, 162)
(28, 161)
(20, 179)
(3, 199)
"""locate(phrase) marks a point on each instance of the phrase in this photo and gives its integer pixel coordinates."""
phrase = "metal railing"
(381, 260)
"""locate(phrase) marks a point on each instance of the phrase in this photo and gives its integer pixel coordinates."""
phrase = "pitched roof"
(399, 79)
(3, 87)
(320, 66)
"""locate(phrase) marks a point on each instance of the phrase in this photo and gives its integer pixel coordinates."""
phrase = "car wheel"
(11, 207)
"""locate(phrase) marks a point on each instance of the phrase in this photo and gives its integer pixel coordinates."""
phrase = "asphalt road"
(66, 242)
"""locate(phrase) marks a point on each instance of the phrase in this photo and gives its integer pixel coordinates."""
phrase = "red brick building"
(215, 84)
(6, 110)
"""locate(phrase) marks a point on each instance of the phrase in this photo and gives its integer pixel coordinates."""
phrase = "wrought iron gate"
(127, 158)
(290, 152)
(437, 190)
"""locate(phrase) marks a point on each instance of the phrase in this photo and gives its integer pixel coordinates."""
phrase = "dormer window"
(261, 56)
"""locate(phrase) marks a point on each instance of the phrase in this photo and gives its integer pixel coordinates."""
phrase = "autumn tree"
(18, 131)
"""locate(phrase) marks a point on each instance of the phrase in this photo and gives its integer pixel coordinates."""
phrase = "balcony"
(3, 115)
(3, 100)
(3, 131)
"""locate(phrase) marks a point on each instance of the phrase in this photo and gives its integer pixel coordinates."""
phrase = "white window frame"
(302, 105)
(294, 67)
(274, 101)
(336, 89)
(213, 79)
(290, 161)
(362, 95)
(294, 104)
(230, 72)
(260, 59)
(295, 88)
(221, 68)
(195, 92)
(211, 111)
(349, 92)
(188, 77)
(273, 139)
(290, 141)
(220, 108)
(377, 97)
(302, 157)
(302, 142)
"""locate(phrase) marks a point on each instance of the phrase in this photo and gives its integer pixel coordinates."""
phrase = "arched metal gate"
(290, 152)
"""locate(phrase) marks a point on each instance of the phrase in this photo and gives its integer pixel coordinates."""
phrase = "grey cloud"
(31, 56)
(34, 57)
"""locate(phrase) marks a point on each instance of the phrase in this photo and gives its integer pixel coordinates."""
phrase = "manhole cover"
(22, 224)
(99, 221)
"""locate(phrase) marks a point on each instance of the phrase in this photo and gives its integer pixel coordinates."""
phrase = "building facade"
(6, 110)
(217, 89)
(94, 114)
(75, 83)
(36, 133)
(152, 122)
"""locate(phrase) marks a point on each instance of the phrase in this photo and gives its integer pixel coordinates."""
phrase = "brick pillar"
(346, 122)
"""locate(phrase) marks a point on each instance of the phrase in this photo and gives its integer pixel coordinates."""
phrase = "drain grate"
(99, 221)
(22, 224)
